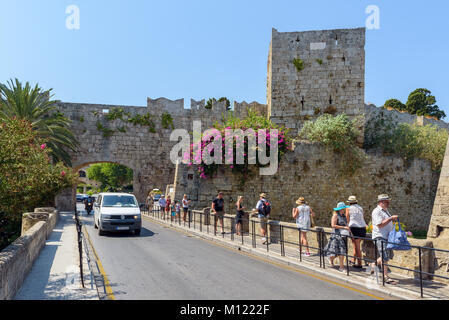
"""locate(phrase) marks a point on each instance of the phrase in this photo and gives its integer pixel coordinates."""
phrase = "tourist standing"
(162, 202)
(218, 209)
(239, 216)
(168, 206)
(173, 210)
(263, 207)
(178, 209)
(357, 225)
(382, 226)
(149, 201)
(185, 207)
(337, 247)
(303, 215)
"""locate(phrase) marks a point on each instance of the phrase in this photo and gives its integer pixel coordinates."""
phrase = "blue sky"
(126, 51)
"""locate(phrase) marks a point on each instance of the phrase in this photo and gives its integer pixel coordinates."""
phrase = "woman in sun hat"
(303, 213)
(357, 224)
(336, 246)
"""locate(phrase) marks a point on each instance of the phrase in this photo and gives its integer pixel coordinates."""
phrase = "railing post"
(188, 217)
(232, 228)
(194, 227)
(322, 252)
(383, 263)
(300, 246)
(80, 245)
(201, 222)
(347, 260)
(253, 233)
(420, 273)
(208, 221)
(282, 241)
(267, 227)
(241, 232)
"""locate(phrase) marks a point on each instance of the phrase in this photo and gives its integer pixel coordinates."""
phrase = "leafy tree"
(211, 101)
(112, 176)
(35, 106)
(28, 179)
(420, 102)
(395, 104)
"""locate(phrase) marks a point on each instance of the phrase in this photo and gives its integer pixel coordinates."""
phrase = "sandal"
(391, 281)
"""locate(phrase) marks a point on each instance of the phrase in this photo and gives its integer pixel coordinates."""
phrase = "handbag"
(397, 240)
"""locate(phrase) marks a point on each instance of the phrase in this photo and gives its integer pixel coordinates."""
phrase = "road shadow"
(144, 233)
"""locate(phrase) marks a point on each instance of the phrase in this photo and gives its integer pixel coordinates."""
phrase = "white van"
(117, 212)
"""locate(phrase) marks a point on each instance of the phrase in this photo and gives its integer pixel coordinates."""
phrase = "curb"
(398, 293)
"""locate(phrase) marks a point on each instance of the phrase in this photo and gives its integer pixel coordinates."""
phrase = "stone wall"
(332, 80)
(147, 153)
(372, 112)
(17, 259)
(313, 172)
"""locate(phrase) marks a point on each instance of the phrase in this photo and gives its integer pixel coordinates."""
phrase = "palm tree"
(34, 105)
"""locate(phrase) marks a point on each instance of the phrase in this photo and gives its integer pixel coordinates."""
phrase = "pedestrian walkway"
(55, 274)
(407, 288)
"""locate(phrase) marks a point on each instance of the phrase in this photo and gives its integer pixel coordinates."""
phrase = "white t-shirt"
(378, 216)
(356, 219)
(303, 218)
(185, 203)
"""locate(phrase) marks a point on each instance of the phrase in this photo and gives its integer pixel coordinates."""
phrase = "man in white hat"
(382, 226)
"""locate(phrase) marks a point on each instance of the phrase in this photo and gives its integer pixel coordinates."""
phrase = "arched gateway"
(137, 137)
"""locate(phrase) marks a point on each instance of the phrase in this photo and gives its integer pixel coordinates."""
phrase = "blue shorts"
(173, 213)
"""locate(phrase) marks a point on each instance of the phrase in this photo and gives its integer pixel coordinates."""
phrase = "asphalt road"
(163, 263)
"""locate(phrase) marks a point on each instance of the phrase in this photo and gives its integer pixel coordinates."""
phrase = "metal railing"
(80, 244)
(201, 221)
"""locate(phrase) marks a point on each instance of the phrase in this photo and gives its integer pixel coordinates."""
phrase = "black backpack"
(266, 206)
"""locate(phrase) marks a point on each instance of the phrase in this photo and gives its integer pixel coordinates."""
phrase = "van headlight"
(137, 217)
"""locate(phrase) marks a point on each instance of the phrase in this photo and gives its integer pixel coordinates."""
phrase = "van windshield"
(119, 201)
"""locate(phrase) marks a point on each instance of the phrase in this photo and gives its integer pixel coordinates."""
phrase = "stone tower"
(329, 76)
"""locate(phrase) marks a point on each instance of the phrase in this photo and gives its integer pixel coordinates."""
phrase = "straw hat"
(263, 195)
(352, 199)
(383, 197)
(301, 200)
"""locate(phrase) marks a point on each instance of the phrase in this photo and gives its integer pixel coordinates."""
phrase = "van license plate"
(122, 228)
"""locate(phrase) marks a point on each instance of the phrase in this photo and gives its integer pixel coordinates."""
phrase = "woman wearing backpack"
(303, 215)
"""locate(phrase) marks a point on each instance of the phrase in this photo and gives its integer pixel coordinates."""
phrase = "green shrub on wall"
(167, 121)
(299, 64)
(339, 134)
(406, 140)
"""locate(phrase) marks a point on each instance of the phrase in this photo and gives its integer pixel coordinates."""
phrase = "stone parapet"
(17, 259)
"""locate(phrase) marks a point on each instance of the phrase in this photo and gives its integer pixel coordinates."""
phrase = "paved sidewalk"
(55, 274)
(407, 288)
